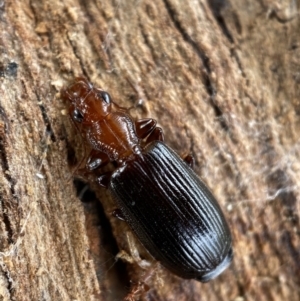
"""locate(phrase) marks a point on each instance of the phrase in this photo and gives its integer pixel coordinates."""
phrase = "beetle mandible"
(168, 207)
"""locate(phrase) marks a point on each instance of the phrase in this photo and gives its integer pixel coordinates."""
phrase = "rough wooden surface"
(221, 77)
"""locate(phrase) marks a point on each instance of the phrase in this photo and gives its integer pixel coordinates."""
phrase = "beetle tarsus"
(104, 179)
(118, 214)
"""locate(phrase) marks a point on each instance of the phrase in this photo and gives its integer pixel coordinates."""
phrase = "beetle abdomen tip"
(218, 269)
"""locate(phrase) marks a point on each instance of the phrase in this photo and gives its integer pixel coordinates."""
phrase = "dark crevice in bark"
(239, 63)
(208, 83)
(204, 58)
(5, 200)
(216, 7)
(7, 223)
(112, 269)
(46, 119)
(9, 283)
(9, 70)
(292, 252)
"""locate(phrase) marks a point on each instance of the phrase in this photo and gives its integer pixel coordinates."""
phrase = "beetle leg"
(134, 256)
(189, 160)
(135, 291)
(95, 160)
(156, 135)
(118, 214)
(103, 180)
(144, 127)
(135, 253)
(142, 286)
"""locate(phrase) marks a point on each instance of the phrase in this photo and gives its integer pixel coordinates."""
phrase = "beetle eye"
(105, 97)
(77, 116)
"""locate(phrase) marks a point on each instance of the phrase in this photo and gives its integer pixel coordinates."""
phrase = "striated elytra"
(170, 209)
(173, 213)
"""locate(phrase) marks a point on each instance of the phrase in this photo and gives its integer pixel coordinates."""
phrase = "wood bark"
(222, 79)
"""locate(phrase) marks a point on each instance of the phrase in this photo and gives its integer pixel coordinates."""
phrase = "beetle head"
(87, 104)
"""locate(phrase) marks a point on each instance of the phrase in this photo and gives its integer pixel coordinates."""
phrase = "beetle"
(171, 211)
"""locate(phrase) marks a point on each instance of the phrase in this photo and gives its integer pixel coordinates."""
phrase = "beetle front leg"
(189, 160)
(95, 160)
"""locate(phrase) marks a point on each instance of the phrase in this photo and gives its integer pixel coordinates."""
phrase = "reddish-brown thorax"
(106, 126)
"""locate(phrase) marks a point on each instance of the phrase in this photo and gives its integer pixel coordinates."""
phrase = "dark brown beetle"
(169, 208)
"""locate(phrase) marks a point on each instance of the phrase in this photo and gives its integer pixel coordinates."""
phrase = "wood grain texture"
(221, 77)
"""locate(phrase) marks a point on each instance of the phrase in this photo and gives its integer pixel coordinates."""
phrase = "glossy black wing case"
(173, 213)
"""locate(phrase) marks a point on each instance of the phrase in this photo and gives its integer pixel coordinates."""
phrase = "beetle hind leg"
(134, 256)
(118, 214)
(104, 179)
(142, 285)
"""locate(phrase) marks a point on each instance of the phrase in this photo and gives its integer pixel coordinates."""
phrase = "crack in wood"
(46, 119)
(208, 83)
(9, 282)
(84, 72)
(216, 6)
(6, 203)
(108, 241)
